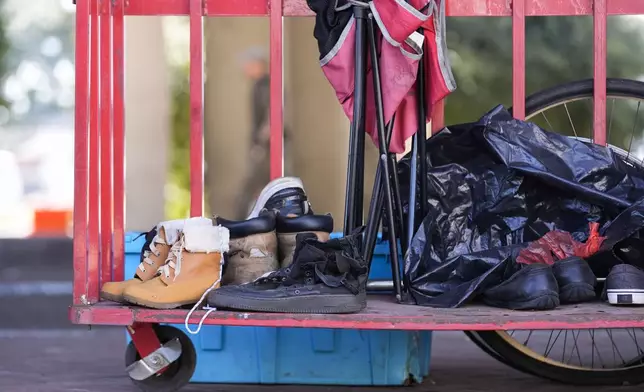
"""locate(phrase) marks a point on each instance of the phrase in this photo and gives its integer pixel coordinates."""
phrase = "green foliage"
(178, 188)
(4, 51)
(558, 50)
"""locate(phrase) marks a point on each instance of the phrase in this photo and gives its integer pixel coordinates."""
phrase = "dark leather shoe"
(304, 223)
(576, 280)
(264, 223)
(533, 287)
(625, 285)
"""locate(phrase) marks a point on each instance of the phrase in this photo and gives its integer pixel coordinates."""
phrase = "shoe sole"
(625, 296)
(331, 304)
(543, 302)
(112, 297)
(274, 187)
(574, 293)
(157, 305)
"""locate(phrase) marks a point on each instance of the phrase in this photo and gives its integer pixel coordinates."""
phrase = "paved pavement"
(41, 352)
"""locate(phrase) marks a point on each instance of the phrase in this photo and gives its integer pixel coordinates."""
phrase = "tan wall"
(320, 130)
(147, 123)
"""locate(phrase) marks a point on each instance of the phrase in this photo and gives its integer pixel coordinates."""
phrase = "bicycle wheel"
(584, 363)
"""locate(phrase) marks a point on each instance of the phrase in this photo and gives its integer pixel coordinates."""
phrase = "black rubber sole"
(318, 304)
(547, 301)
(575, 293)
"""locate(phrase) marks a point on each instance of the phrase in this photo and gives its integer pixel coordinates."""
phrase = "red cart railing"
(100, 173)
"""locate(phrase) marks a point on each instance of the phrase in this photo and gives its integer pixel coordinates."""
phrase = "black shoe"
(325, 277)
(576, 280)
(288, 228)
(625, 285)
(283, 195)
(265, 223)
(533, 287)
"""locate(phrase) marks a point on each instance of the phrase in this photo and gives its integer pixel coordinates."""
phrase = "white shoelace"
(153, 251)
(203, 297)
(174, 262)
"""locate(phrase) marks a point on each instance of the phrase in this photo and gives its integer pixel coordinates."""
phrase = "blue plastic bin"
(301, 355)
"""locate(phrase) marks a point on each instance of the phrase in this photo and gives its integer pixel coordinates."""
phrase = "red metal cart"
(99, 167)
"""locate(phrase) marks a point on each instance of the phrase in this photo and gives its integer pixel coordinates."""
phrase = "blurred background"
(36, 112)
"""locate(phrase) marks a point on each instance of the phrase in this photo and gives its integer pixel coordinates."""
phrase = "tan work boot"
(194, 268)
(153, 256)
(253, 248)
(288, 227)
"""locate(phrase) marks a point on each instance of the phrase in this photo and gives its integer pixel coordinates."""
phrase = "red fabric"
(593, 243)
(398, 66)
(559, 245)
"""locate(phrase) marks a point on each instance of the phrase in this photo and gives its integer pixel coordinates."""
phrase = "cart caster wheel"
(177, 374)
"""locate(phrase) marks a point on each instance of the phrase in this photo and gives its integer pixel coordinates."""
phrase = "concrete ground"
(41, 352)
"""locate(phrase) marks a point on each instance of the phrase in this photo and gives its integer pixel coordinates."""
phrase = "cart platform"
(382, 313)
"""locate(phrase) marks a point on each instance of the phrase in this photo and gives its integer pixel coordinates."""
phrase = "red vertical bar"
(94, 153)
(277, 90)
(80, 151)
(599, 51)
(518, 59)
(438, 116)
(106, 142)
(196, 108)
(118, 43)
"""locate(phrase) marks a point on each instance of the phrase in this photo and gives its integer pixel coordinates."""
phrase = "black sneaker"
(533, 287)
(325, 277)
(576, 280)
(289, 228)
(285, 196)
(625, 285)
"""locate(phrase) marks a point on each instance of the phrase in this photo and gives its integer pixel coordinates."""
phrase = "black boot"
(325, 277)
(533, 287)
(576, 280)
(625, 285)
(289, 227)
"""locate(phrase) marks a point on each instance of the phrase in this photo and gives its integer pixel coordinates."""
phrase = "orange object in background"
(51, 223)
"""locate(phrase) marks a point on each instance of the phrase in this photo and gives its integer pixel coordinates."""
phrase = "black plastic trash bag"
(499, 183)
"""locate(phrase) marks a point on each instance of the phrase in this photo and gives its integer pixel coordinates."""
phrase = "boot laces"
(173, 262)
(153, 251)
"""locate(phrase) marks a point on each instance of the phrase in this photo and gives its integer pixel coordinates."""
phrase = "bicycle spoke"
(528, 338)
(563, 354)
(630, 144)
(615, 348)
(553, 344)
(610, 121)
(552, 129)
(570, 119)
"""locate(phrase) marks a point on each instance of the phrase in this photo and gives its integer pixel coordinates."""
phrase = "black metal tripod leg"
(374, 217)
(355, 168)
(382, 141)
(400, 220)
(421, 138)
(413, 180)
(375, 207)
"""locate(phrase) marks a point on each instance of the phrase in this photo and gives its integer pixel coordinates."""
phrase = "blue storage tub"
(301, 355)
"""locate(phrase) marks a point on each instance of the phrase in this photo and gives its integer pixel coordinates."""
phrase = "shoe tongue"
(301, 241)
(149, 237)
